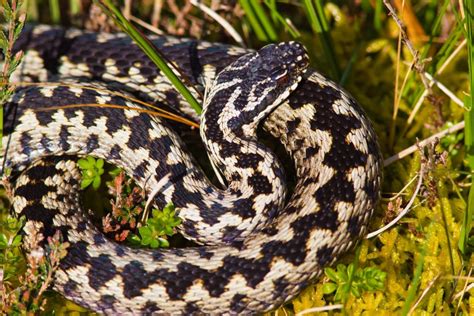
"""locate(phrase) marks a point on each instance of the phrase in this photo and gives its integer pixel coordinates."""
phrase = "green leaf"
(355, 291)
(350, 270)
(145, 232)
(84, 164)
(3, 241)
(16, 241)
(154, 243)
(7, 11)
(96, 182)
(331, 274)
(328, 288)
(3, 41)
(163, 243)
(91, 160)
(86, 182)
(18, 30)
(134, 239)
(341, 273)
(100, 163)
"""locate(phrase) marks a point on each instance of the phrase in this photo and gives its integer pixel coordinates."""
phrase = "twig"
(127, 10)
(319, 309)
(466, 288)
(464, 291)
(425, 291)
(446, 91)
(405, 210)
(403, 189)
(148, 26)
(417, 65)
(423, 143)
(417, 106)
(226, 25)
(156, 15)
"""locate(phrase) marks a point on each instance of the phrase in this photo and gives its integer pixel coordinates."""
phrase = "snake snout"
(288, 57)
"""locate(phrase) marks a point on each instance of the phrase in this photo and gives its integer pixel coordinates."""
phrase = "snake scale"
(258, 247)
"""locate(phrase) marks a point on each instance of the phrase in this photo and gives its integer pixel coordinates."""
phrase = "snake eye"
(281, 75)
(282, 79)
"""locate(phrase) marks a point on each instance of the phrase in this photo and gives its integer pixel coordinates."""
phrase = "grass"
(426, 257)
(151, 51)
(469, 129)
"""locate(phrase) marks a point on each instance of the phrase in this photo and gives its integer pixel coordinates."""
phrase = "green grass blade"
(469, 119)
(378, 15)
(253, 20)
(151, 51)
(350, 64)
(55, 11)
(319, 25)
(289, 27)
(415, 283)
(266, 23)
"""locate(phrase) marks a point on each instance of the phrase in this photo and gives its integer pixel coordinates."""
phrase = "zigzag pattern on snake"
(260, 248)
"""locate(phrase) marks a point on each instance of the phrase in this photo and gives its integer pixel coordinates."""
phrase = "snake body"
(259, 249)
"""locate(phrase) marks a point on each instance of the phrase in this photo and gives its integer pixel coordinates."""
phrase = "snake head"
(255, 84)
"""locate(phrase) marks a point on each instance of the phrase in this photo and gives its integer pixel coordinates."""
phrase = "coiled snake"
(260, 248)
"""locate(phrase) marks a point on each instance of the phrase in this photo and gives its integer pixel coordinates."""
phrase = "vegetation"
(410, 64)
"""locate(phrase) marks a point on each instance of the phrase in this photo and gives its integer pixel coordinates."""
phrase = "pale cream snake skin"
(260, 248)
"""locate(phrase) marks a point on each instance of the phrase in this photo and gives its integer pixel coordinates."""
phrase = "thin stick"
(423, 143)
(446, 91)
(403, 189)
(319, 309)
(425, 291)
(418, 65)
(417, 106)
(405, 210)
(146, 25)
(117, 106)
(116, 93)
(461, 293)
(226, 25)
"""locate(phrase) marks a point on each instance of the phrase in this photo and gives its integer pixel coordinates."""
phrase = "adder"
(258, 248)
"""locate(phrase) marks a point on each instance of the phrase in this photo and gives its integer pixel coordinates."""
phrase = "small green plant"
(92, 170)
(161, 224)
(10, 13)
(345, 279)
(10, 241)
(21, 291)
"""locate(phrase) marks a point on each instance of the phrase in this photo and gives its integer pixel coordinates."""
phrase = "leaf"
(134, 239)
(328, 288)
(100, 163)
(16, 241)
(350, 270)
(3, 41)
(18, 30)
(145, 231)
(331, 274)
(86, 182)
(84, 164)
(164, 243)
(3, 241)
(7, 10)
(91, 160)
(96, 182)
(154, 243)
(341, 273)
(355, 291)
